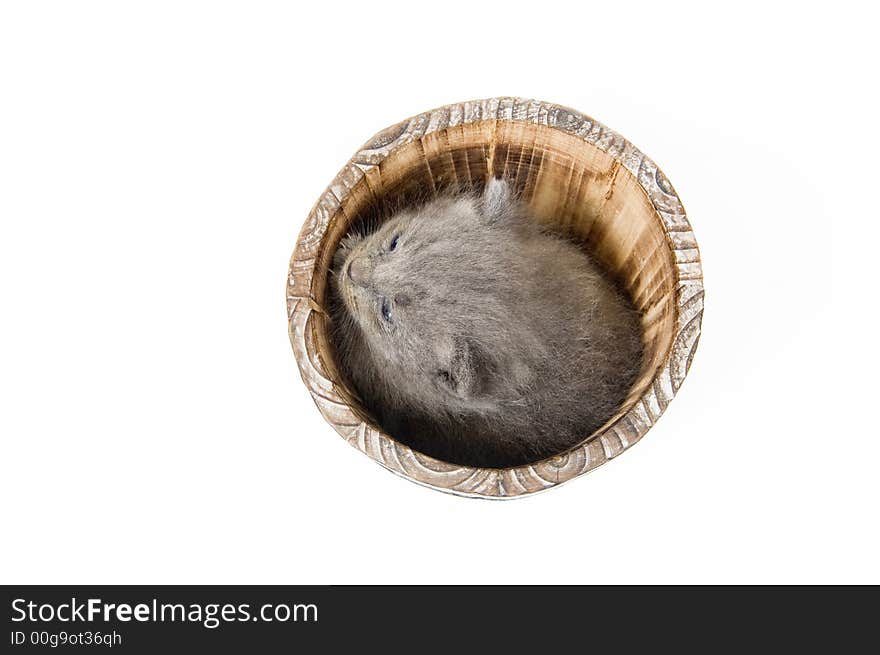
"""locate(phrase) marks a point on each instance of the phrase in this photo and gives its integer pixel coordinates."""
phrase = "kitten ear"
(497, 202)
(465, 374)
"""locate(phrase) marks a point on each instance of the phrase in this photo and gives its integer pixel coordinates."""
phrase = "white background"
(157, 161)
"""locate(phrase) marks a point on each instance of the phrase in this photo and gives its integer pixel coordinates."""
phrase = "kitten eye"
(393, 244)
(445, 378)
(386, 309)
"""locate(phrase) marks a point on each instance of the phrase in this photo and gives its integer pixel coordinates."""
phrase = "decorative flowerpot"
(577, 176)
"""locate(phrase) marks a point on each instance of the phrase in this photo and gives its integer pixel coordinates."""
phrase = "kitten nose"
(358, 271)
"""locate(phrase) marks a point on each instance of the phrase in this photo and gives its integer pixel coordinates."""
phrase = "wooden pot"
(576, 175)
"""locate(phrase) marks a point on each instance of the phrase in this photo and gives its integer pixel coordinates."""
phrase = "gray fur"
(504, 344)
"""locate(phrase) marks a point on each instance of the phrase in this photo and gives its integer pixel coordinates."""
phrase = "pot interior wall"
(568, 183)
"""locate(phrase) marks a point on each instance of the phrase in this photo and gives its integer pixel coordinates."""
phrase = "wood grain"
(578, 176)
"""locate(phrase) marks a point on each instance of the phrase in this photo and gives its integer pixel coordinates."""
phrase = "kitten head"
(424, 293)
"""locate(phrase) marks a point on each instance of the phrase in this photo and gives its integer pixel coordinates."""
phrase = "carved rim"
(599, 447)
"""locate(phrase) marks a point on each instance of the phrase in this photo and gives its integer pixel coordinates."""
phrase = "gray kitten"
(474, 336)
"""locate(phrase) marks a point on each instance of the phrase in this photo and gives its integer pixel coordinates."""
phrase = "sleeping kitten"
(474, 336)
